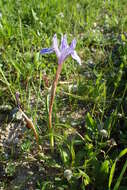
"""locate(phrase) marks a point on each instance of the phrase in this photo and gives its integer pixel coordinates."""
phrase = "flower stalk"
(62, 53)
(53, 93)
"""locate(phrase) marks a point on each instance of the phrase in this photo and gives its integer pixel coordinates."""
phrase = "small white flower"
(68, 174)
(61, 14)
(104, 133)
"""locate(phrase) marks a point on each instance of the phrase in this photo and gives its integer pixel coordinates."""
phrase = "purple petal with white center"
(76, 57)
(55, 46)
(73, 44)
(64, 43)
(47, 51)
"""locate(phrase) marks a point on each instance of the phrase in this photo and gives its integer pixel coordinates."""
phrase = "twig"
(29, 124)
(28, 121)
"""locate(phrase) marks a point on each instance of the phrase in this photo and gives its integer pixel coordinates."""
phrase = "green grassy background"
(90, 98)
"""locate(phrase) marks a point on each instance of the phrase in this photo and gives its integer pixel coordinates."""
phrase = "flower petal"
(76, 57)
(46, 51)
(55, 46)
(73, 44)
(64, 54)
(64, 43)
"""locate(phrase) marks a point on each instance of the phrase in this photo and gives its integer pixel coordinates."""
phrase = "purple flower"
(63, 51)
(47, 51)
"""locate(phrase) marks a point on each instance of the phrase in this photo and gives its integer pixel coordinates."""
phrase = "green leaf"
(72, 153)
(90, 122)
(34, 15)
(116, 187)
(45, 185)
(122, 153)
(86, 178)
(111, 174)
(105, 167)
(88, 138)
(64, 155)
(123, 37)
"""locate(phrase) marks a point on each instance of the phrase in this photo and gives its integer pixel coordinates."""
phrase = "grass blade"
(120, 177)
(111, 175)
(122, 153)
